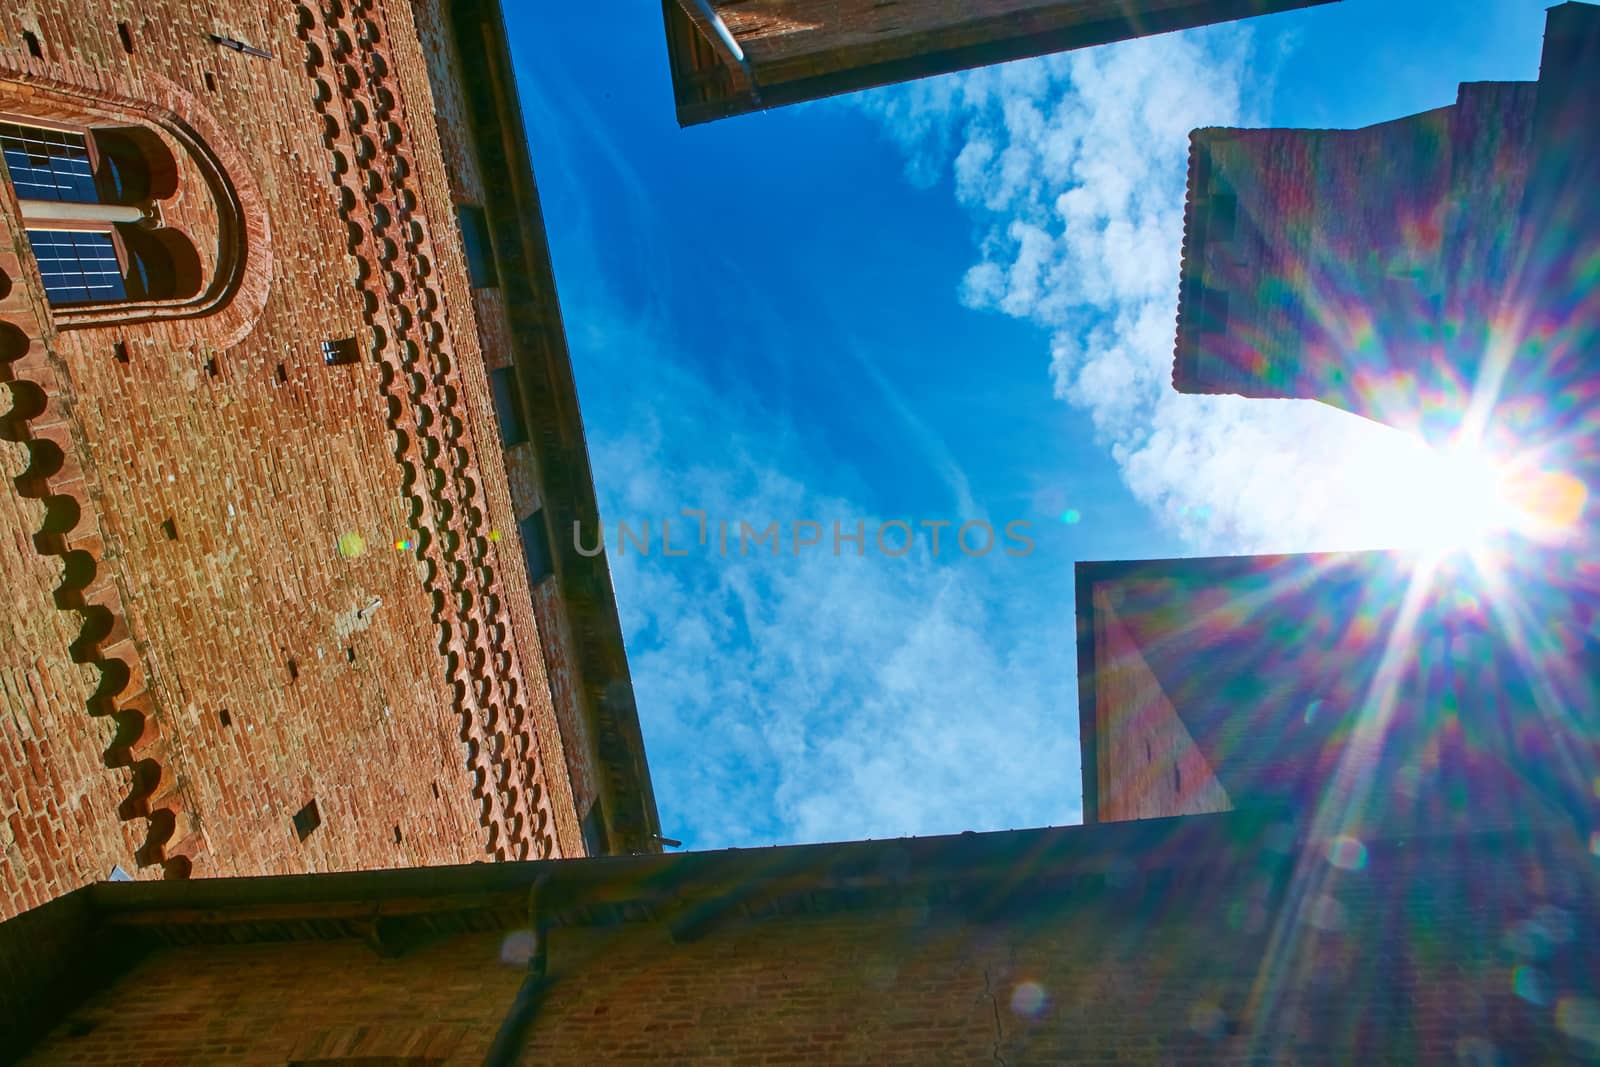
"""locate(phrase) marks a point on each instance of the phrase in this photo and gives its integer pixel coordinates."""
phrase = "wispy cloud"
(787, 699)
(819, 696)
(1074, 168)
(929, 445)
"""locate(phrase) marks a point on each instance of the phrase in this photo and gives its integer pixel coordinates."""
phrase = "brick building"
(290, 440)
(1395, 270)
(731, 57)
(1393, 686)
(1338, 811)
(1339, 807)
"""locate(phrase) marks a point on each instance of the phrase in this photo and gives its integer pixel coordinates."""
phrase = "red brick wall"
(54, 791)
(273, 1003)
(1438, 952)
(1149, 764)
(565, 735)
(417, 712)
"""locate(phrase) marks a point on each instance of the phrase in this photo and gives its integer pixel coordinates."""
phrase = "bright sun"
(1462, 500)
(1459, 497)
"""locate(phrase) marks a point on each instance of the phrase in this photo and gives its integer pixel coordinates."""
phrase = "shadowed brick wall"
(1442, 950)
(1149, 764)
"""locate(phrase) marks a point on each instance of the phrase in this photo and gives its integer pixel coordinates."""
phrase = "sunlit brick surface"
(207, 621)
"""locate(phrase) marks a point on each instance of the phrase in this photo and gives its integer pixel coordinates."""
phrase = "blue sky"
(946, 301)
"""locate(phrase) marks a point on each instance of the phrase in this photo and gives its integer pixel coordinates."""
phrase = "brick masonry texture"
(1149, 764)
(1446, 950)
(1318, 262)
(187, 657)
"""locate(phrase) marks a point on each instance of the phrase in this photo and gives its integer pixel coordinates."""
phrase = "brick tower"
(290, 439)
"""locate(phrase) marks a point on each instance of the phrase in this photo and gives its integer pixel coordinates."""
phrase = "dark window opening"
(594, 830)
(120, 350)
(306, 820)
(340, 351)
(507, 406)
(283, 375)
(160, 265)
(536, 547)
(481, 269)
(48, 164)
(77, 266)
(1222, 217)
(211, 82)
(294, 670)
(211, 366)
(127, 37)
(133, 165)
(87, 266)
(170, 528)
(31, 39)
(224, 717)
(397, 838)
(435, 790)
(350, 653)
(142, 276)
(122, 180)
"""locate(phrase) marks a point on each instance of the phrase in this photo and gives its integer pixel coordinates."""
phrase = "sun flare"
(1462, 496)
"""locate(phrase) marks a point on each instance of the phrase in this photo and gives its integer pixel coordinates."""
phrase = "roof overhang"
(57, 956)
(730, 57)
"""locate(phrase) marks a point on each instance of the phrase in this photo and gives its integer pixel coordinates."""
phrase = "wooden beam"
(737, 66)
(976, 43)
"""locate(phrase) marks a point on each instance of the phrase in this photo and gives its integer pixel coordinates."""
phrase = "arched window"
(90, 201)
(136, 211)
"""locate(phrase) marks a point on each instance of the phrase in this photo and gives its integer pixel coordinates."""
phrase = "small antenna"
(240, 46)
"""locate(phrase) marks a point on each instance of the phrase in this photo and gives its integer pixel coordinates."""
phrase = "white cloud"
(821, 697)
(818, 698)
(1074, 165)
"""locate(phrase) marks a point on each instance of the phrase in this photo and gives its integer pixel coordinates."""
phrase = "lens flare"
(1547, 504)
(1463, 496)
(1028, 999)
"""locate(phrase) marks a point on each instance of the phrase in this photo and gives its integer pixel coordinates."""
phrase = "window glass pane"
(77, 266)
(536, 545)
(513, 429)
(594, 830)
(47, 164)
(480, 252)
